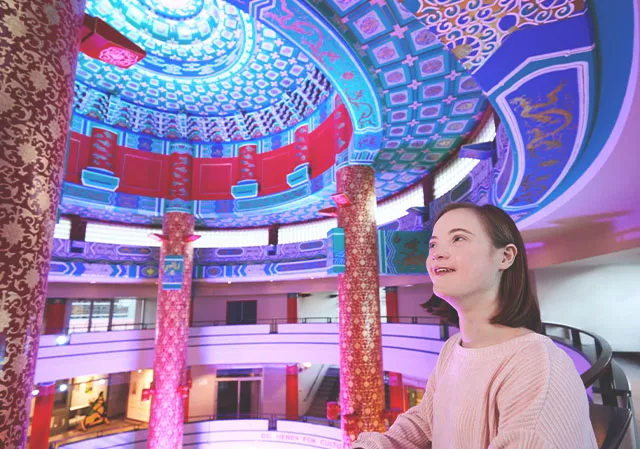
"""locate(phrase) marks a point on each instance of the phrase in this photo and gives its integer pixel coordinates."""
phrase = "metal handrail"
(271, 321)
(600, 370)
(272, 418)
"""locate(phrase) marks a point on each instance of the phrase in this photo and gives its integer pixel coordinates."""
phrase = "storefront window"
(124, 313)
(80, 314)
(99, 315)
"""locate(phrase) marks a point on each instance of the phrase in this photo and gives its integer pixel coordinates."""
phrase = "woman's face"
(462, 260)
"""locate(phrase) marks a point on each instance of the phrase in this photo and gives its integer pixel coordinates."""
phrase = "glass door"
(100, 315)
(238, 399)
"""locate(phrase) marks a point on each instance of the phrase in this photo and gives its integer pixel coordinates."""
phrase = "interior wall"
(202, 394)
(84, 290)
(604, 299)
(319, 304)
(214, 308)
(274, 390)
(410, 299)
(137, 409)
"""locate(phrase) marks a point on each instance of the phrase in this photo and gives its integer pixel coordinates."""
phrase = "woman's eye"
(432, 245)
(457, 238)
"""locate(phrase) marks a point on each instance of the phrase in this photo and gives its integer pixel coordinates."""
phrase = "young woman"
(498, 384)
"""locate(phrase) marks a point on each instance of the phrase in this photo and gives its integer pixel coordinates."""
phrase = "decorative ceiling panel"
(430, 103)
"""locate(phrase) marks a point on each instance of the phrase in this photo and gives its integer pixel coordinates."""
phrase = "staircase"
(328, 391)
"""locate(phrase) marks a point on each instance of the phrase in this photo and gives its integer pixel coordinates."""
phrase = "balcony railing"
(603, 377)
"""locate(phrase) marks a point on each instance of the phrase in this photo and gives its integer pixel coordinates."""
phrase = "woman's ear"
(509, 254)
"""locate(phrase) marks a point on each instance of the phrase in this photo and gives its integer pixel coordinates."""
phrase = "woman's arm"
(412, 429)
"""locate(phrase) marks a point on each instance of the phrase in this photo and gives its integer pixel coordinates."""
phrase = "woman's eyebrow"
(460, 229)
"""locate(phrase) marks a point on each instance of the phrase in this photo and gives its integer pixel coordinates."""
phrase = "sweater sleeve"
(542, 403)
(412, 429)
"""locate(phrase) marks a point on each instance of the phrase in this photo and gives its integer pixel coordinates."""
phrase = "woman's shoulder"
(539, 354)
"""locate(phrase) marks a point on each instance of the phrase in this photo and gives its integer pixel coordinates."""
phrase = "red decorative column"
(362, 405)
(172, 330)
(54, 314)
(39, 48)
(41, 422)
(292, 308)
(392, 304)
(292, 392)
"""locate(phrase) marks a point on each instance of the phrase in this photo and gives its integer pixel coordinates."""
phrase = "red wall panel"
(148, 174)
(142, 173)
(322, 143)
(78, 157)
(275, 166)
(212, 178)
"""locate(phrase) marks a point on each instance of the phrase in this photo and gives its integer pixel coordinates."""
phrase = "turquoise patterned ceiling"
(430, 103)
(204, 58)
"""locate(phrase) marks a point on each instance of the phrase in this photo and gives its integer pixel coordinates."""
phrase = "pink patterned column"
(361, 376)
(39, 49)
(172, 331)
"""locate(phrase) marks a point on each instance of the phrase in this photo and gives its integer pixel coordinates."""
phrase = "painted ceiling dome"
(273, 81)
(205, 58)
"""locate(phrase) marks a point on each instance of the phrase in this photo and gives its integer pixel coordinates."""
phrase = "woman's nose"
(437, 254)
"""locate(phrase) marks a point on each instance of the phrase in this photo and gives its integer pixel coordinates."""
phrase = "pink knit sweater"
(524, 393)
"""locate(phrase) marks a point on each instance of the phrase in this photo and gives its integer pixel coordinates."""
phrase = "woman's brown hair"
(517, 301)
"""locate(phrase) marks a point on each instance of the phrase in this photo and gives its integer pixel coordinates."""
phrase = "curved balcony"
(407, 348)
(240, 434)
(410, 347)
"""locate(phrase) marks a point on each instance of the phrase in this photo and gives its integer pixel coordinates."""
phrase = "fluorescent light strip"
(396, 207)
(120, 235)
(451, 175)
(232, 238)
(316, 230)
(62, 229)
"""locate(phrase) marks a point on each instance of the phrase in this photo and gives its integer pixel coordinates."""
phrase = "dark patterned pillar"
(38, 49)
(361, 376)
(172, 331)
